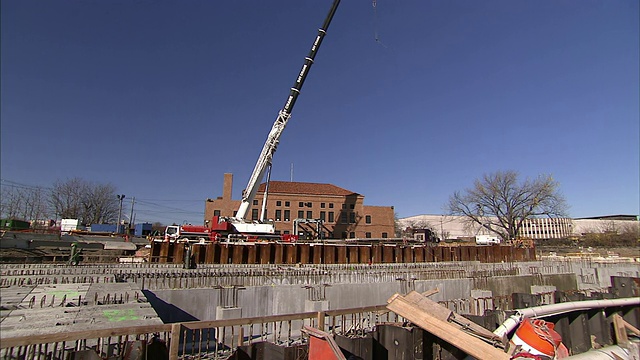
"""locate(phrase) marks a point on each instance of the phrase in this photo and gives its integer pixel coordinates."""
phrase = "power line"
(15, 184)
(149, 207)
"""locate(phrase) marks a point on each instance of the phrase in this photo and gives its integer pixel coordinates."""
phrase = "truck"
(220, 230)
(188, 232)
(238, 227)
(487, 240)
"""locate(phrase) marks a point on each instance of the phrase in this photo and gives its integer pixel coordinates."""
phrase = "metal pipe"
(554, 309)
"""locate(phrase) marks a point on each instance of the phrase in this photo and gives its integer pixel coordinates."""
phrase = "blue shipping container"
(110, 228)
(143, 229)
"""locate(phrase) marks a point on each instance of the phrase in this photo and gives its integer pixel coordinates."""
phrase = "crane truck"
(238, 227)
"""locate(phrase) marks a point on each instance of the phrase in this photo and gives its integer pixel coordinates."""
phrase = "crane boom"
(271, 144)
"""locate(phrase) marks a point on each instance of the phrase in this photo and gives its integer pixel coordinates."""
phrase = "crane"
(273, 138)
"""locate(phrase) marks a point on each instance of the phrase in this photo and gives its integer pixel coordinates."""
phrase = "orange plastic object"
(539, 338)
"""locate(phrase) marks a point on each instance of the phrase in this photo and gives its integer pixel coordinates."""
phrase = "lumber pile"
(448, 326)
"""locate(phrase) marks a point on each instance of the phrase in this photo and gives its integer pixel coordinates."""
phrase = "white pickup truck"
(487, 240)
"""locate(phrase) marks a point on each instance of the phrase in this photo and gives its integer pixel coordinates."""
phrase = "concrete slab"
(49, 309)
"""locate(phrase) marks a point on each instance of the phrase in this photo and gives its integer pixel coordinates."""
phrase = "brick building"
(315, 210)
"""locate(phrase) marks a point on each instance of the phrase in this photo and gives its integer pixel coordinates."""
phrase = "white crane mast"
(264, 161)
(271, 144)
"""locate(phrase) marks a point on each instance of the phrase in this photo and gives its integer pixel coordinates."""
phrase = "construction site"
(338, 285)
(440, 309)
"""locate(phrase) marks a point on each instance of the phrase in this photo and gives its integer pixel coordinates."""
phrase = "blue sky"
(161, 98)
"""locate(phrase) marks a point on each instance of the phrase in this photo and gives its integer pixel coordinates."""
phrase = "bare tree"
(35, 205)
(11, 202)
(100, 204)
(66, 198)
(500, 204)
(79, 199)
(23, 202)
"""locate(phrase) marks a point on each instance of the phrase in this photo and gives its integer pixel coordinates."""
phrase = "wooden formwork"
(318, 253)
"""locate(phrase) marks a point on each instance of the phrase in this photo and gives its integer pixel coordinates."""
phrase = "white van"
(487, 240)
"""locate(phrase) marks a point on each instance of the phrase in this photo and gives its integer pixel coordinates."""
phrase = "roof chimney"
(227, 186)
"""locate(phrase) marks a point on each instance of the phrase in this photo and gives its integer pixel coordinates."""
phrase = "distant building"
(456, 227)
(314, 210)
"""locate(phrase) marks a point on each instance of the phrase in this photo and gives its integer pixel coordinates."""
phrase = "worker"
(75, 257)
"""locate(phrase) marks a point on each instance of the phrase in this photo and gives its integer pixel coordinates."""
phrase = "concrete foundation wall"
(288, 299)
(281, 298)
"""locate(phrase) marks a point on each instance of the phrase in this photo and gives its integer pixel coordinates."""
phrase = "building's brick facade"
(343, 213)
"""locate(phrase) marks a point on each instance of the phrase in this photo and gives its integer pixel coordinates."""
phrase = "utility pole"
(133, 201)
(121, 198)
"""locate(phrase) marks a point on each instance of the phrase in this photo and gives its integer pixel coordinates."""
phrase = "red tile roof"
(290, 187)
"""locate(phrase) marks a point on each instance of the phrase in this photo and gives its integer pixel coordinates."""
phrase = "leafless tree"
(66, 198)
(23, 202)
(500, 204)
(78, 199)
(11, 202)
(630, 230)
(100, 204)
(36, 207)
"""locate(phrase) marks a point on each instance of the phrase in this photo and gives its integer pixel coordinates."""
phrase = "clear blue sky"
(161, 98)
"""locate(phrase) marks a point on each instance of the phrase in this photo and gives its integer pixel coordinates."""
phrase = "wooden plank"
(444, 314)
(174, 344)
(445, 331)
(85, 334)
(426, 305)
(430, 292)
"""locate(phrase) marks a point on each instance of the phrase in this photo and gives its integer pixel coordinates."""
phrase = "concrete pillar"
(223, 313)
(546, 292)
(316, 305)
(481, 301)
